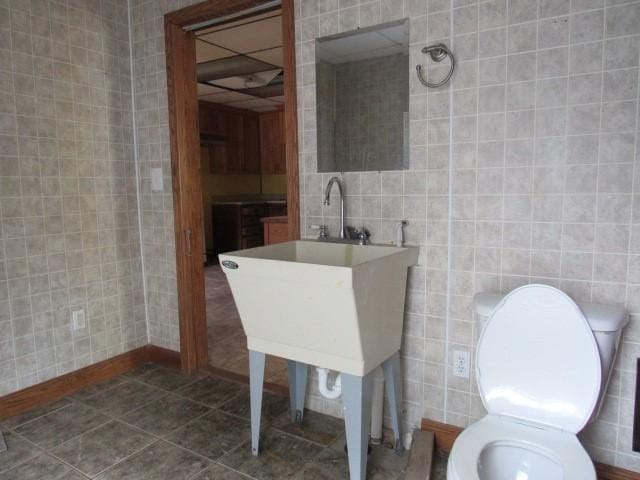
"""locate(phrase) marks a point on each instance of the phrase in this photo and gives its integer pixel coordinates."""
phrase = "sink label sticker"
(229, 264)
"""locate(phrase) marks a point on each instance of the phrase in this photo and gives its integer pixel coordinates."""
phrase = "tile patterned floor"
(226, 339)
(156, 423)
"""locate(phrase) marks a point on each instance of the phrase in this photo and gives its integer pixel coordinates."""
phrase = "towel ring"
(437, 53)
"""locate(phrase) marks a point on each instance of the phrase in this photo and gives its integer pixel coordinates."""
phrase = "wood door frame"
(185, 159)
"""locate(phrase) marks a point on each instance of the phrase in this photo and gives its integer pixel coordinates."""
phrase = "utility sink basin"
(335, 306)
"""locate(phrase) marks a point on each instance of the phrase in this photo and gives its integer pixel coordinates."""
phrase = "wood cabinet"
(212, 120)
(272, 143)
(276, 230)
(250, 143)
(237, 226)
(251, 132)
(238, 130)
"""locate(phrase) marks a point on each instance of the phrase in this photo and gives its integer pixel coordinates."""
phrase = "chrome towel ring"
(437, 53)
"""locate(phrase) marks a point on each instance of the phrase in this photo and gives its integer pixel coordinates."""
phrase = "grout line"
(137, 169)
(449, 228)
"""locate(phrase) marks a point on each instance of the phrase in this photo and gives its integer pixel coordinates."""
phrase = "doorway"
(225, 96)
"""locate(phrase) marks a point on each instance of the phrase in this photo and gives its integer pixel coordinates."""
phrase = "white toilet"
(542, 366)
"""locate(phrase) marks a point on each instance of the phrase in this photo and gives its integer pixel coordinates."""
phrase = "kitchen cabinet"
(237, 140)
(237, 225)
(272, 143)
(276, 230)
(212, 120)
(251, 131)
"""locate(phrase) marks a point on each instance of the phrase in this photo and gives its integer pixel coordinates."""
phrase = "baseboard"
(163, 356)
(446, 434)
(61, 386)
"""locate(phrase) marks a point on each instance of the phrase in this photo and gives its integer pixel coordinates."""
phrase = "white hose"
(330, 393)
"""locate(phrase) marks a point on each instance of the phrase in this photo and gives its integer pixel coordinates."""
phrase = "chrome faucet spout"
(327, 201)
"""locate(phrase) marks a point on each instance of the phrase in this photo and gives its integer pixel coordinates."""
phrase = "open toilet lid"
(538, 360)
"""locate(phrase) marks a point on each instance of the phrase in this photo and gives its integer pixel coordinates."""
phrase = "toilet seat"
(538, 361)
(562, 447)
(538, 372)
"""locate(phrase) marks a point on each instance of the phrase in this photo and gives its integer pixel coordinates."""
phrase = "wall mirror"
(362, 99)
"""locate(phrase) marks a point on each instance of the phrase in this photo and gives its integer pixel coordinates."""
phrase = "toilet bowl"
(539, 375)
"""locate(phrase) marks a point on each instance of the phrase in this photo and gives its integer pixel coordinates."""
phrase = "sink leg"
(394, 394)
(3, 445)
(356, 394)
(297, 389)
(256, 380)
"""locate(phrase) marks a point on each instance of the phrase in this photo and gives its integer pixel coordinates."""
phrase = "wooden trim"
(446, 434)
(51, 390)
(291, 118)
(162, 356)
(635, 442)
(185, 159)
(187, 193)
(608, 472)
(210, 9)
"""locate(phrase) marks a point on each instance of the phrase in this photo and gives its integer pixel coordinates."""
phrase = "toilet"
(542, 366)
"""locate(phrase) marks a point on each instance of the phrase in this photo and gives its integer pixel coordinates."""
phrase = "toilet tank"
(606, 321)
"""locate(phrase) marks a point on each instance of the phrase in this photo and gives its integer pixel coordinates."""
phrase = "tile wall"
(524, 170)
(68, 205)
(152, 128)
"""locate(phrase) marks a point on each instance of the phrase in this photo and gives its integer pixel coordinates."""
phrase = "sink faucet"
(327, 201)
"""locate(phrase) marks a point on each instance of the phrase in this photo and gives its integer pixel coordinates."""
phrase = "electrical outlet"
(461, 363)
(78, 318)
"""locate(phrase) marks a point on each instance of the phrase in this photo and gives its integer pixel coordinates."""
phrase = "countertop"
(248, 199)
(281, 219)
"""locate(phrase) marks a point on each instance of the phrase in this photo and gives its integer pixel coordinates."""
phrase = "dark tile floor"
(227, 343)
(156, 423)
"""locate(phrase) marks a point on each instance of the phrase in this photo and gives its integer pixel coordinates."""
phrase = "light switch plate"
(156, 180)
(78, 318)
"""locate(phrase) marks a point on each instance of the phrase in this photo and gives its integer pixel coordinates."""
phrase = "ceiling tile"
(206, 52)
(251, 37)
(208, 89)
(253, 80)
(272, 56)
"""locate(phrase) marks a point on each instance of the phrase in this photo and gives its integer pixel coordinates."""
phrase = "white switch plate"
(78, 318)
(156, 180)
(461, 363)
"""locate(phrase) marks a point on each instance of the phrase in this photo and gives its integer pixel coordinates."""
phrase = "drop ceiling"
(240, 63)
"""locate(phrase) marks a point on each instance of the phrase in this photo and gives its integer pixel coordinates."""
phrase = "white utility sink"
(335, 306)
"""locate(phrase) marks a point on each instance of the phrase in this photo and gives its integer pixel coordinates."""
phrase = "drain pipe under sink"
(330, 393)
(377, 403)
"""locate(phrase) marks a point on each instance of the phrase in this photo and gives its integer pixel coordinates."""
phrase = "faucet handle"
(322, 230)
(363, 236)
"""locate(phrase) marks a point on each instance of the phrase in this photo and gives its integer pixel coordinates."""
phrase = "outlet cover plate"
(461, 363)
